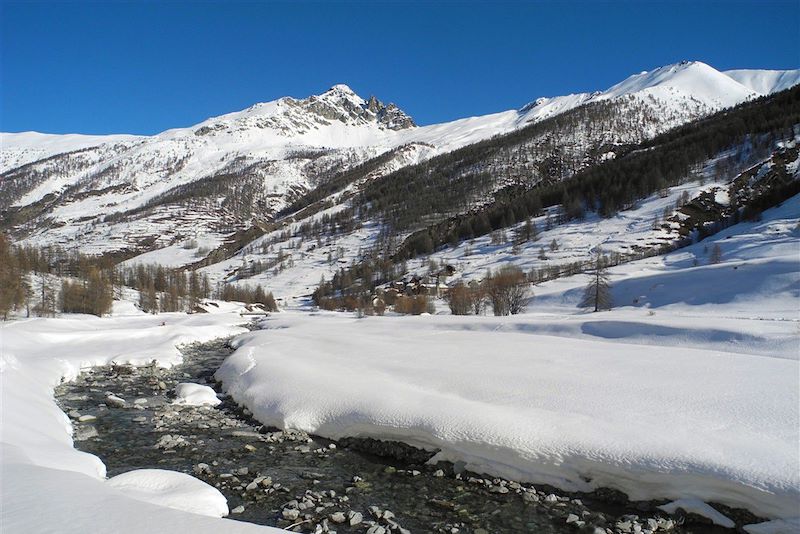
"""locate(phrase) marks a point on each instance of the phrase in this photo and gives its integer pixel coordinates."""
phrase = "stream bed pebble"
(128, 418)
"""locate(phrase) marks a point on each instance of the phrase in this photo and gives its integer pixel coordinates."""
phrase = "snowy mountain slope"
(272, 133)
(695, 80)
(17, 149)
(650, 224)
(689, 83)
(291, 258)
(765, 81)
(252, 163)
(653, 222)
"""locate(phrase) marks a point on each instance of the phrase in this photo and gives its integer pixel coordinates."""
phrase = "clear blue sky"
(142, 67)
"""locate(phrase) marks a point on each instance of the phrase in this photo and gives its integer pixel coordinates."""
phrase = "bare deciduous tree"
(507, 290)
(715, 256)
(597, 294)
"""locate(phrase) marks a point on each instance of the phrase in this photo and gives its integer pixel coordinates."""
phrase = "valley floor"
(658, 406)
(688, 390)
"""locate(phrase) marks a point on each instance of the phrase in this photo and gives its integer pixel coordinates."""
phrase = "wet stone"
(291, 479)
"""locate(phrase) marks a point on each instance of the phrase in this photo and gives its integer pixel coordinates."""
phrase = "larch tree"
(715, 256)
(597, 294)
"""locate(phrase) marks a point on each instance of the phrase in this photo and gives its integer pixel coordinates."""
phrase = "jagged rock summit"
(290, 116)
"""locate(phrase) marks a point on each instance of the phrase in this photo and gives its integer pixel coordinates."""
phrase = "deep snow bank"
(173, 490)
(578, 411)
(195, 395)
(47, 485)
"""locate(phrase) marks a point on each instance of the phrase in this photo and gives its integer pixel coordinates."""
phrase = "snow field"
(575, 412)
(49, 486)
(173, 490)
(663, 397)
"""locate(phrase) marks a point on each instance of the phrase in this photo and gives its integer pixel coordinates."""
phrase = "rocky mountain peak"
(341, 103)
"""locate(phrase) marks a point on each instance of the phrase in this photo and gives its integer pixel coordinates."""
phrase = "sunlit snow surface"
(688, 390)
(173, 490)
(690, 393)
(49, 486)
(195, 395)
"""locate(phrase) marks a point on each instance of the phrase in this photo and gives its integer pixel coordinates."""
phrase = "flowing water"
(310, 484)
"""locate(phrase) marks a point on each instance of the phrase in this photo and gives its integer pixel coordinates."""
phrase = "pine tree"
(47, 299)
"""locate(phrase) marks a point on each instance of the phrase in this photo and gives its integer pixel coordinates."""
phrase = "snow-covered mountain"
(136, 193)
(765, 81)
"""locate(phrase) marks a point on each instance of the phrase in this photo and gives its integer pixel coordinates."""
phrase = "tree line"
(88, 284)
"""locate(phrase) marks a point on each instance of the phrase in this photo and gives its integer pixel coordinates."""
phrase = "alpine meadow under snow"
(684, 395)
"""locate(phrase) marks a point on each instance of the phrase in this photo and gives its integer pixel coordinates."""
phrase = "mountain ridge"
(762, 81)
(255, 162)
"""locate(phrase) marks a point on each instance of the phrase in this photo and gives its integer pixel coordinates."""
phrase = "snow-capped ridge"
(765, 82)
(695, 79)
(293, 117)
(687, 79)
(679, 84)
(286, 146)
(341, 88)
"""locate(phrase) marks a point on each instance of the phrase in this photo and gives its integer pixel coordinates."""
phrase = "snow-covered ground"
(688, 390)
(47, 485)
(577, 402)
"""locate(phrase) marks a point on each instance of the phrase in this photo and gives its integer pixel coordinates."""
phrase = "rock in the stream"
(117, 402)
(291, 514)
(202, 469)
(354, 518)
(168, 442)
(85, 432)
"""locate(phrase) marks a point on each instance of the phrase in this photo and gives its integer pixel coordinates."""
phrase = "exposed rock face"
(394, 118)
(342, 104)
